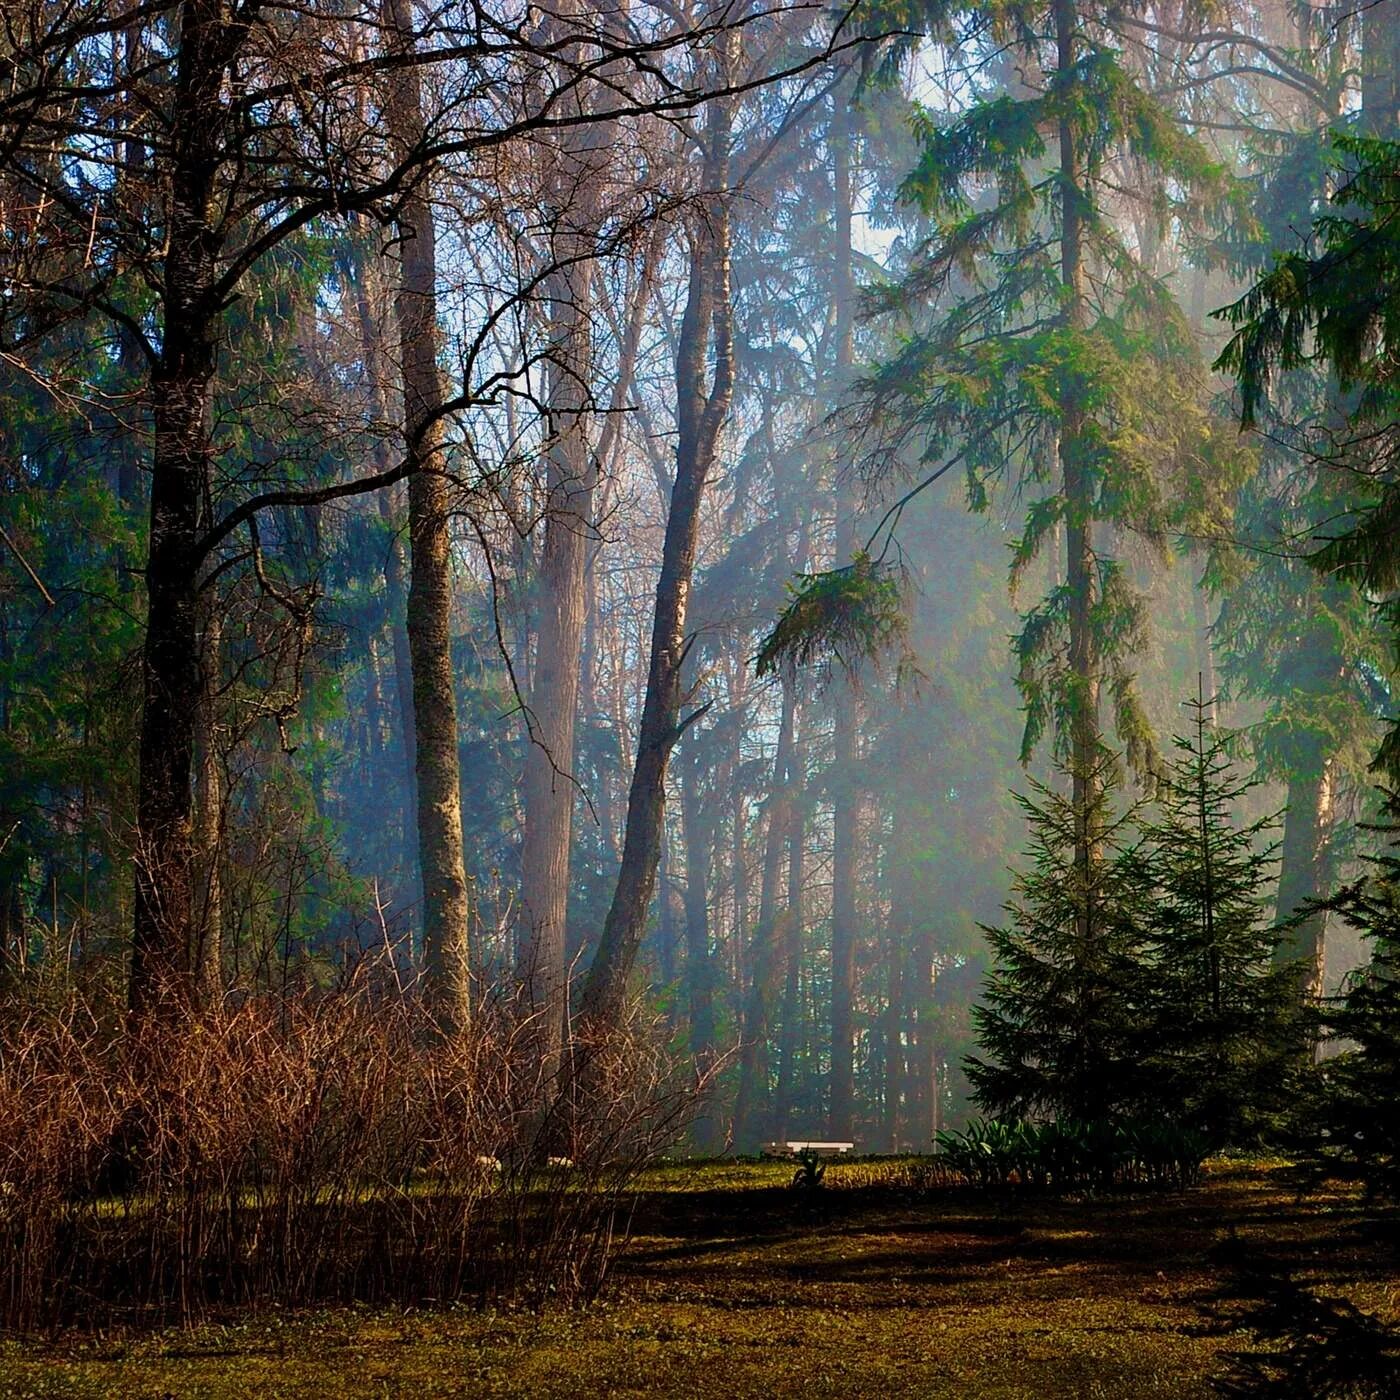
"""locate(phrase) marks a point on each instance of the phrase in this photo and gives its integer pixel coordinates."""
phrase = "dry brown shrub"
(308, 1148)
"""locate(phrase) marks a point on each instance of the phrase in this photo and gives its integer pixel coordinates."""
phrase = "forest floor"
(733, 1287)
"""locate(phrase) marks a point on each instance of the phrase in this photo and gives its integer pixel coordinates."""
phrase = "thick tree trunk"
(446, 910)
(700, 419)
(181, 401)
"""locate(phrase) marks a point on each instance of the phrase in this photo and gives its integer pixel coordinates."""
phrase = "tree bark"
(209, 819)
(571, 475)
(751, 1101)
(846, 798)
(792, 989)
(446, 910)
(181, 403)
(1305, 873)
(1076, 482)
(700, 418)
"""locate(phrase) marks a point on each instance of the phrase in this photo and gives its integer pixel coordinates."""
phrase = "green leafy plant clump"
(1069, 1154)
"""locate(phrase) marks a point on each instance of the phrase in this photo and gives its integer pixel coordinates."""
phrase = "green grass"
(734, 1288)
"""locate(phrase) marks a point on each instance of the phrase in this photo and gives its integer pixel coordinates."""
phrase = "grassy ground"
(734, 1288)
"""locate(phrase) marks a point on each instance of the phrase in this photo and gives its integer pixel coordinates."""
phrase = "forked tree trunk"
(700, 417)
(446, 910)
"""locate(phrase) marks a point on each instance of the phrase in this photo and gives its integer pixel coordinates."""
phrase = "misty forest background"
(417, 421)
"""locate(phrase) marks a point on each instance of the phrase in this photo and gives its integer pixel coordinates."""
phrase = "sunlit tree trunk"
(445, 899)
(846, 796)
(764, 962)
(789, 1019)
(700, 418)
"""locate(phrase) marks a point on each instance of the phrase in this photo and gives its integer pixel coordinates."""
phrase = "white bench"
(818, 1149)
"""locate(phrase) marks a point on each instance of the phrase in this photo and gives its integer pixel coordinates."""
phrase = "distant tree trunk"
(896, 940)
(790, 1014)
(362, 274)
(700, 417)
(446, 910)
(570, 478)
(923, 1062)
(181, 402)
(846, 797)
(698, 838)
(763, 960)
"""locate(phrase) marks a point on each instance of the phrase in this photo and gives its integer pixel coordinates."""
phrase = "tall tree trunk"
(790, 1014)
(697, 835)
(446, 910)
(1077, 483)
(923, 1062)
(363, 272)
(181, 402)
(571, 474)
(846, 796)
(749, 1107)
(700, 417)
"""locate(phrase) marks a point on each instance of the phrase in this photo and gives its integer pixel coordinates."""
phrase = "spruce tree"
(1060, 1023)
(1355, 1131)
(1222, 1029)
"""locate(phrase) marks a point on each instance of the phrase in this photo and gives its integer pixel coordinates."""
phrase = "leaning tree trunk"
(700, 417)
(181, 401)
(446, 910)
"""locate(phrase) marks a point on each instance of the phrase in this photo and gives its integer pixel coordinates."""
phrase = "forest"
(699, 697)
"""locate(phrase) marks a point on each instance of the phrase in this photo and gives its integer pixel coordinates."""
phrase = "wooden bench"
(818, 1149)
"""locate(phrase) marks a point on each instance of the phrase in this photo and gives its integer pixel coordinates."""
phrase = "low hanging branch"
(850, 615)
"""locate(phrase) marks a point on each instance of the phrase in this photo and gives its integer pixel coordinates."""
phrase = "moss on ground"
(734, 1288)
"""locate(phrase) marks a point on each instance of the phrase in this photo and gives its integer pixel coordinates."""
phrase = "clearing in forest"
(736, 1285)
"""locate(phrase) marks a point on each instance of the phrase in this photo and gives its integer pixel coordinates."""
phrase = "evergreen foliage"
(1354, 1128)
(1222, 1024)
(1060, 1024)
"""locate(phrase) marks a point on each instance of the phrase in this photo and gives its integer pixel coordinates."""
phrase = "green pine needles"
(1354, 1131)
(1140, 984)
(1060, 1021)
(1221, 1024)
